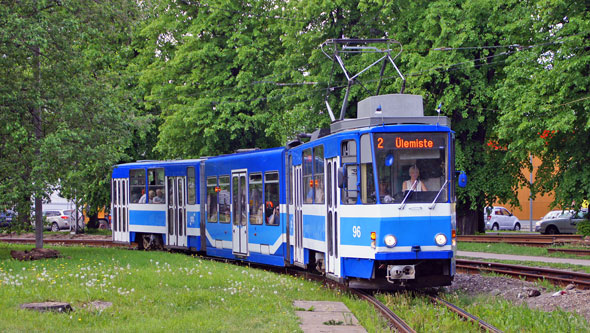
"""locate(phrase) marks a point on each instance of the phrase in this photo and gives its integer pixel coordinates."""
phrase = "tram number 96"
(356, 231)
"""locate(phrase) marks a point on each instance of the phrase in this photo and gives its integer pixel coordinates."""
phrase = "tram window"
(318, 176)
(413, 165)
(191, 187)
(349, 158)
(308, 176)
(156, 185)
(290, 175)
(224, 200)
(137, 186)
(212, 206)
(368, 195)
(271, 195)
(256, 208)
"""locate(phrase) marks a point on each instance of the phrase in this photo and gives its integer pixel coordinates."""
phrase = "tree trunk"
(470, 221)
(38, 136)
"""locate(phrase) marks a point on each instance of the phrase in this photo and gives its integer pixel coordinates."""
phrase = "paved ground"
(322, 316)
(483, 255)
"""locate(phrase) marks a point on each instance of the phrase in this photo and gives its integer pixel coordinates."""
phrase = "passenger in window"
(414, 178)
(272, 213)
(151, 195)
(309, 197)
(384, 193)
(159, 198)
(319, 191)
(142, 198)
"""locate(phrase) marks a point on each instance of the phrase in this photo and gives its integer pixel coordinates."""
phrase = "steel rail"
(397, 322)
(557, 277)
(67, 241)
(578, 252)
(464, 314)
(526, 239)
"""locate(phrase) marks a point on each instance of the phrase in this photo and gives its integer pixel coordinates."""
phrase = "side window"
(349, 159)
(191, 186)
(137, 186)
(290, 173)
(256, 208)
(308, 184)
(368, 195)
(156, 185)
(318, 168)
(224, 200)
(212, 206)
(271, 195)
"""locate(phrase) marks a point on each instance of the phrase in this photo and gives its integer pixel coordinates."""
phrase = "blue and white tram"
(369, 201)
(156, 203)
(359, 215)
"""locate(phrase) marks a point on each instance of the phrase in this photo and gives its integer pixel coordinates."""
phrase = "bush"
(584, 228)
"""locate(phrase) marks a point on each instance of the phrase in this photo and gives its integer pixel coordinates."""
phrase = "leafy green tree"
(66, 113)
(544, 101)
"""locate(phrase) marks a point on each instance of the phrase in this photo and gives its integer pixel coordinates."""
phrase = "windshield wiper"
(439, 192)
(402, 205)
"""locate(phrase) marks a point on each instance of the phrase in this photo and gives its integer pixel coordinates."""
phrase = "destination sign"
(401, 143)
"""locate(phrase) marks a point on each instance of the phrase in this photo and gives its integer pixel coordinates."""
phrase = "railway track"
(578, 252)
(464, 314)
(67, 241)
(557, 277)
(524, 239)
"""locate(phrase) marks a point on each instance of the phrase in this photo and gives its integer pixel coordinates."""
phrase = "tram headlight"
(390, 241)
(440, 239)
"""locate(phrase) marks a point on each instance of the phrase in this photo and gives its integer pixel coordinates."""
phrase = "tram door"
(298, 256)
(176, 211)
(239, 215)
(119, 209)
(332, 265)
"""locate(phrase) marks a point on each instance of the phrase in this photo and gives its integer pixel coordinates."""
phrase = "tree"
(66, 113)
(544, 101)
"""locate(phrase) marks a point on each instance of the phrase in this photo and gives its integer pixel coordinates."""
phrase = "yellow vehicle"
(104, 219)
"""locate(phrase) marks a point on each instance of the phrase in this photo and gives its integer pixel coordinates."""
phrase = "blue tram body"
(369, 201)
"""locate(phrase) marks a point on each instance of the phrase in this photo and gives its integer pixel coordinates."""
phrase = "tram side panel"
(245, 208)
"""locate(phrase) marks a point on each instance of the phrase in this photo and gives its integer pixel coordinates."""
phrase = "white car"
(497, 218)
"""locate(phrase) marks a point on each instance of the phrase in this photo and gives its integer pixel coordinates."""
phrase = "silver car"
(497, 218)
(56, 220)
(564, 223)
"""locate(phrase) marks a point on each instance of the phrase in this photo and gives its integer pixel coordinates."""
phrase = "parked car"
(553, 214)
(497, 218)
(564, 223)
(6, 217)
(57, 220)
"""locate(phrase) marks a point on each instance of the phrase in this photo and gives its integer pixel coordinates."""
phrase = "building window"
(256, 207)
(224, 200)
(137, 186)
(191, 186)
(271, 195)
(212, 206)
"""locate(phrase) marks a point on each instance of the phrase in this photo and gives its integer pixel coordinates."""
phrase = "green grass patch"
(420, 313)
(156, 291)
(423, 316)
(510, 317)
(521, 250)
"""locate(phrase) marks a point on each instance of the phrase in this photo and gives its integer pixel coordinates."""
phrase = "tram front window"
(411, 166)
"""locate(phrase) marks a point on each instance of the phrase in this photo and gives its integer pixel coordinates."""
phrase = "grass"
(522, 250)
(156, 291)
(421, 315)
